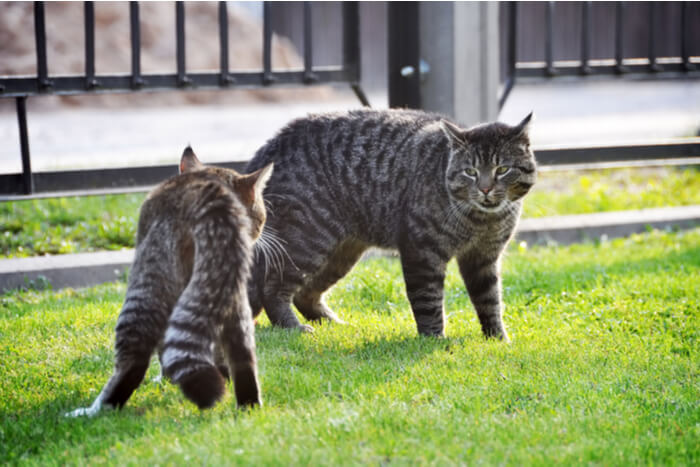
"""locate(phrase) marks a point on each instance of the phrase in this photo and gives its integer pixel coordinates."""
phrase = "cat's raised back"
(402, 179)
(187, 287)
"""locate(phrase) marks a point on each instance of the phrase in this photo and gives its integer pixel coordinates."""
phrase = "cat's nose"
(486, 190)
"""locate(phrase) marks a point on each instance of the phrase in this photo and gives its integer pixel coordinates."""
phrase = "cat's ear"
(523, 128)
(261, 178)
(255, 183)
(455, 134)
(189, 161)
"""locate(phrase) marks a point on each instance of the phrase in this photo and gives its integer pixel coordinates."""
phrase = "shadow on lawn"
(42, 428)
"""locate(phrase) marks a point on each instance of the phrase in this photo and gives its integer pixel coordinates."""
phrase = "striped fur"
(399, 179)
(187, 287)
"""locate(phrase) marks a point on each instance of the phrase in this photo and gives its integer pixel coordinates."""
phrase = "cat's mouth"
(489, 206)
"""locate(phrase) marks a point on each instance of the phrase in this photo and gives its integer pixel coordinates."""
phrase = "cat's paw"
(331, 317)
(305, 328)
(91, 411)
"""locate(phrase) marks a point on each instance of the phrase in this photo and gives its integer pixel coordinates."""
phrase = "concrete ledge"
(75, 270)
(87, 269)
(578, 228)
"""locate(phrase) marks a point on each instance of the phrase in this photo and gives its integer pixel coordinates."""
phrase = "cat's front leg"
(482, 277)
(424, 275)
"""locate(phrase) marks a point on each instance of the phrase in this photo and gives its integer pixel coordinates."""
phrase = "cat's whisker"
(273, 239)
(260, 249)
(273, 246)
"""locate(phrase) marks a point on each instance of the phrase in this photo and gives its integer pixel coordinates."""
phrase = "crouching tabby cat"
(187, 287)
(396, 179)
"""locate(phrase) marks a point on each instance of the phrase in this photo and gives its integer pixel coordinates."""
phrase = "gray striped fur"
(187, 289)
(399, 179)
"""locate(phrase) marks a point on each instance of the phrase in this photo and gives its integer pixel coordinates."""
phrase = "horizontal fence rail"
(140, 179)
(44, 83)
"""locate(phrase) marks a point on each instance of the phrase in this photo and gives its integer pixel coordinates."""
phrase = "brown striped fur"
(187, 287)
(399, 179)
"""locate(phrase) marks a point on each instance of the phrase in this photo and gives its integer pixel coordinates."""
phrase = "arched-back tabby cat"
(187, 287)
(396, 179)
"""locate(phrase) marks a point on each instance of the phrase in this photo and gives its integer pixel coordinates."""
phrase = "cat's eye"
(502, 170)
(471, 172)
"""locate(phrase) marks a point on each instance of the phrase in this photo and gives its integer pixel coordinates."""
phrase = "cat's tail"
(214, 304)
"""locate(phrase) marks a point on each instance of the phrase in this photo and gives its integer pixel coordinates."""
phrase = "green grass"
(559, 193)
(70, 225)
(603, 369)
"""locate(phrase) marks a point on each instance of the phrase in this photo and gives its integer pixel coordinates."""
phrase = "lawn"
(70, 225)
(603, 369)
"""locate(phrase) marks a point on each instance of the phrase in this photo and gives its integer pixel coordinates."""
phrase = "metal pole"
(549, 38)
(309, 76)
(226, 78)
(653, 66)
(90, 81)
(404, 54)
(619, 37)
(40, 37)
(685, 54)
(268, 78)
(512, 52)
(27, 178)
(135, 27)
(182, 79)
(585, 38)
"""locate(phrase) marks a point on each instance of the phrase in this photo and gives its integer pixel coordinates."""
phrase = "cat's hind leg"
(309, 299)
(140, 326)
(238, 343)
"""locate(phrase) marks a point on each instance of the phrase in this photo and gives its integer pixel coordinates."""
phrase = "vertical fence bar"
(27, 178)
(135, 28)
(225, 78)
(267, 44)
(182, 79)
(512, 56)
(685, 31)
(585, 38)
(309, 76)
(90, 81)
(619, 37)
(653, 66)
(549, 40)
(351, 40)
(404, 54)
(40, 36)
(351, 49)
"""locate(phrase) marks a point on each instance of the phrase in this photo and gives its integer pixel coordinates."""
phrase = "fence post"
(444, 57)
(404, 54)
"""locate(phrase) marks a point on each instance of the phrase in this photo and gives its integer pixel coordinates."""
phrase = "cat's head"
(489, 165)
(248, 187)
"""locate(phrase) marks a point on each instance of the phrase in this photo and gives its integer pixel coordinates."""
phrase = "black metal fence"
(44, 83)
(665, 43)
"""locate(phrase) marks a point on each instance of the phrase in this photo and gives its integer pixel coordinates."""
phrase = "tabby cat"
(187, 287)
(399, 179)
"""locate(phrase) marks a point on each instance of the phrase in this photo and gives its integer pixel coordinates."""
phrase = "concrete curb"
(578, 228)
(87, 269)
(74, 270)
